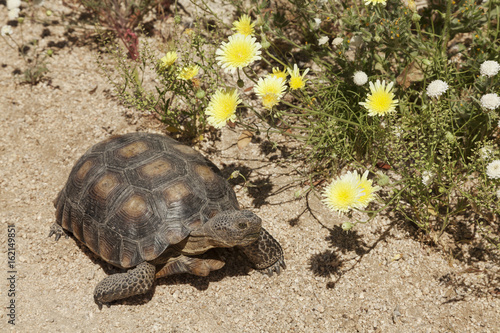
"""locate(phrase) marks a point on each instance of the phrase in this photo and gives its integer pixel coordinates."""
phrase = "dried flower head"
(360, 78)
(427, 177)
(490, 101)
(436, 88)
(493, 169)
(486, 152)
(489, 68)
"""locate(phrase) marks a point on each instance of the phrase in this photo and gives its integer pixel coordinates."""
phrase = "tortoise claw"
(56, 229)
(99, 305)
(277, 267)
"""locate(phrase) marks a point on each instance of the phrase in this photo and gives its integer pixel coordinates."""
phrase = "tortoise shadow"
(235, 265)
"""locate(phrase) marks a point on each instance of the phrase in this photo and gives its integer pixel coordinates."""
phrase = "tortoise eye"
(242, 225)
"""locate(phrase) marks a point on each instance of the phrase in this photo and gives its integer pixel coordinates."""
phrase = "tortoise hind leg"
(191, 265)
(122, 285)
(56, 229)
(265, 254)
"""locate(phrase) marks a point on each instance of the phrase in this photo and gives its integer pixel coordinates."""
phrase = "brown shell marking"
(205, 173)
(133, 149)
(84, 169)
(134, 208)
(176, 192)
(160, 167)
(105, 185)
(213, 185)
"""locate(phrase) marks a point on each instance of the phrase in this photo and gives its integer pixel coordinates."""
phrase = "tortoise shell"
(131, 196)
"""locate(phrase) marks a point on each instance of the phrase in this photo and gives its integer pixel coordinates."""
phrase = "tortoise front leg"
(122, 285)
(265, 254)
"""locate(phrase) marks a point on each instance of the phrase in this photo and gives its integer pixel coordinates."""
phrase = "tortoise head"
(231, 228)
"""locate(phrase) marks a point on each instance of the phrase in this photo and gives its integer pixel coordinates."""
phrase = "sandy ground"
(375, 279)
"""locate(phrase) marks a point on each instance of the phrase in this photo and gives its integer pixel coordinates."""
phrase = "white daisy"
(337, 41)
(13, 13)
(11, 4)
(323, 40)
(317, 23)
(6, 30)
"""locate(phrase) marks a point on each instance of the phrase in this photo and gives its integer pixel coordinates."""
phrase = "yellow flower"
(280, 74)
(343, 193)
(381, 100)
(222, 107)
(187, 73)
(297, 81)
(244, 25)
(368, 190)
(270, 89)
(239, 52)
(168, 59)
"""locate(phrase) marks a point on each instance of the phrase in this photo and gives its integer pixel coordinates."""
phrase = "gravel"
(378, 278)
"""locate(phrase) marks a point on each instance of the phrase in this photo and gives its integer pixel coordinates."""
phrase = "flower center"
(381, 101)
(270, 99)
(239, 53)
(296, 82)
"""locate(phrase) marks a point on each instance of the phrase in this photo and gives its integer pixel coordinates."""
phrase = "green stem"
(318, 113)
(446, 30)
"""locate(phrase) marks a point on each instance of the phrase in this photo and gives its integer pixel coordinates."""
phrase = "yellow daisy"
(222, 107)
(168, 59)
(297, 81)
(244, 26)
(187, 73)
(239, 52)
(280, 74)
(270, 89)
(343, 193)
(368, 190)
(381, 99)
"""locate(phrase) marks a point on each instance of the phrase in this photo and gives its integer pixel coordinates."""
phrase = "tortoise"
(147, 203)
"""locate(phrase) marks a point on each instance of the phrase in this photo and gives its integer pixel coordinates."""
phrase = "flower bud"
(200, 94)
(346, 226)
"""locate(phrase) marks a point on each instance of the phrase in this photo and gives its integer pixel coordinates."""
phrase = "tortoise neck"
(196, 245)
